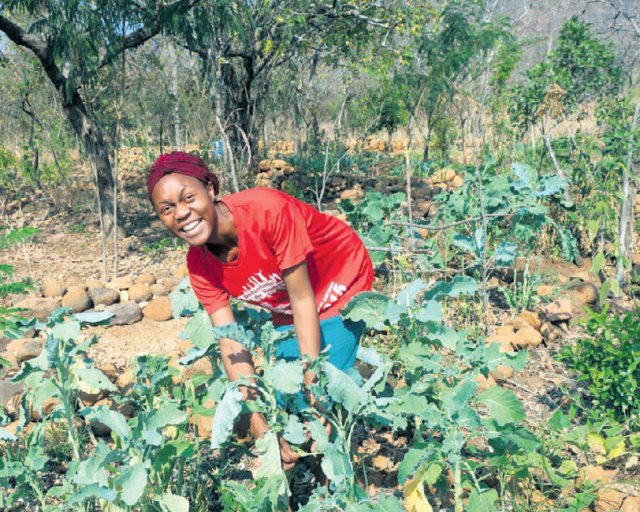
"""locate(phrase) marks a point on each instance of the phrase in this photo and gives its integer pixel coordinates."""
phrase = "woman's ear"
(211, 191)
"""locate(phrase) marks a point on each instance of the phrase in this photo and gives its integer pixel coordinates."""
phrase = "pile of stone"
(637, 210)
(529, 329)
(272, 173)
(129, 298)
(446, 179)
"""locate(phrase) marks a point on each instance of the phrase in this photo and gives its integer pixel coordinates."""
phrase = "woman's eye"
(165, 210)
(189, 197)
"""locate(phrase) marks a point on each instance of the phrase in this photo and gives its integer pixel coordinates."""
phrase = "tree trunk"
(175, 103)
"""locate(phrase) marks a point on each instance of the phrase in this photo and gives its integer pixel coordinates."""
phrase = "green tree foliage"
(581, 67)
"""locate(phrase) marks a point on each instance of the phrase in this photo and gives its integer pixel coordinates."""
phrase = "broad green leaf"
(285, 376)
(505, 253)
(168, 414)
(493, 358)
(112, 419)
(460, 285)
(183, 300)
(294, 431)
(336, 464)
(199, 330)
(92, 380)
(343, 389)
(370, 356)
(431, 311)
(133, 481)
(319, 435)
(550, 185)
(482, 502)
(504, 406)
(93, 491)
(173, 503)
(235, 332)
(407, 296)
(226, 413)
(525, 173)
(268, 449)
(93, 317)
(414, 460)
(465, 243)
(368, 307)
(454, 399)
(69, 330)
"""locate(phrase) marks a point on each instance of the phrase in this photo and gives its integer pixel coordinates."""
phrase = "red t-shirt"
(277, 232)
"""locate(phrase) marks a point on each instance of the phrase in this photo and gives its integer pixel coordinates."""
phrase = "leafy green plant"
(608, 363)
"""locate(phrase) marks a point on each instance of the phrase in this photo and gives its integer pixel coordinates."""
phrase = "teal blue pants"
(342, 337)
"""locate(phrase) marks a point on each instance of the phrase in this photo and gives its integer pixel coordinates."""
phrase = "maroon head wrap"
(182, 163)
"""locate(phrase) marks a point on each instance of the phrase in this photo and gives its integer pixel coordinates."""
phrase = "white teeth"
(191, 225)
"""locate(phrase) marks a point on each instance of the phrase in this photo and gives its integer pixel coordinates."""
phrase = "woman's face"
(185, 207)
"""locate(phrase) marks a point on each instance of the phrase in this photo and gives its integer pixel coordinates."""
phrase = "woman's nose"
(182, 211)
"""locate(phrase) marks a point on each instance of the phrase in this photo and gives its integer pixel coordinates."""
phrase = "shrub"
(608, 361)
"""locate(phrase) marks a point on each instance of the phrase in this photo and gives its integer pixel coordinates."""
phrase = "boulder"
(102, 296)
(110, 370)
(50, 405)
(125, 313)
(457, 182)
(485, 383)
(587, 290)
(611, 498)
(558, 311)
(40, 308)
(184, 346)
(94, 283)
(170, 282)
(530, 319)
(181, 272)
(631, 504)
(8, 390)
(159, 309)
(76, 299)
(158, 290)
(528, 337)
(140, 293)
(501, 372)
(549, 332)
(126, 378)
(545, 290)
(147, 279)
(24, 349)
(596, 475)
(53, 288)
(120, 283)
(73, 280)
(204, 423)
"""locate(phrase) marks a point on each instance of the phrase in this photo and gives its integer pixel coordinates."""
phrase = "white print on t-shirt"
(332, 294)
(259, 287)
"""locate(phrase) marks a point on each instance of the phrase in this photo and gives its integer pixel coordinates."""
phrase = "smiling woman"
(268, 249)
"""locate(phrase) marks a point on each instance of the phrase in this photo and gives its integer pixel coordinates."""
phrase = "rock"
(485, 383)
(200, 367)
(501, 373)
(140, 293)
(609, 499)
(120, 283)
(170, 282)
(158, 290)
(90, 399)
(558, 311)
(126, 378)
(53, 288)
(549, 332)
(493, 282)
(8, 390)
(457, 182)
(528, 337)
(159, 309)
(588, 291)
(545, 290)
(381, 462)
(181, 272)
(12, 427)
(74, 280)
(631, 504)
(40, 308)
(504, 332)
(77, 299)
(125, 313)
(124, 296)
(24, 349)
(530, 318)
(577, 302)
(147, 279)
(596, 475)
(101, 296)
(110, 370)
(583, 276)
(50, 405)
(352, 194)
(184, 346)
(94, 283)
(502, 340)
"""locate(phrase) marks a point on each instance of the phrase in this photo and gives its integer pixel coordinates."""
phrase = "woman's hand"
(259, 427)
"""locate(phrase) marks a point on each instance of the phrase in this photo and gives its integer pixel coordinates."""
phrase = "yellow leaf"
(414, 498)
(596, 442)
(617, 450)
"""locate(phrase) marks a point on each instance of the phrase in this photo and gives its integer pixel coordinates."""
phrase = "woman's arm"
(305, 312)
(237, 363)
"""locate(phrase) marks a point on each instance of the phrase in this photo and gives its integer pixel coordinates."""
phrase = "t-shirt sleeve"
(208, 292)
(290, 240)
